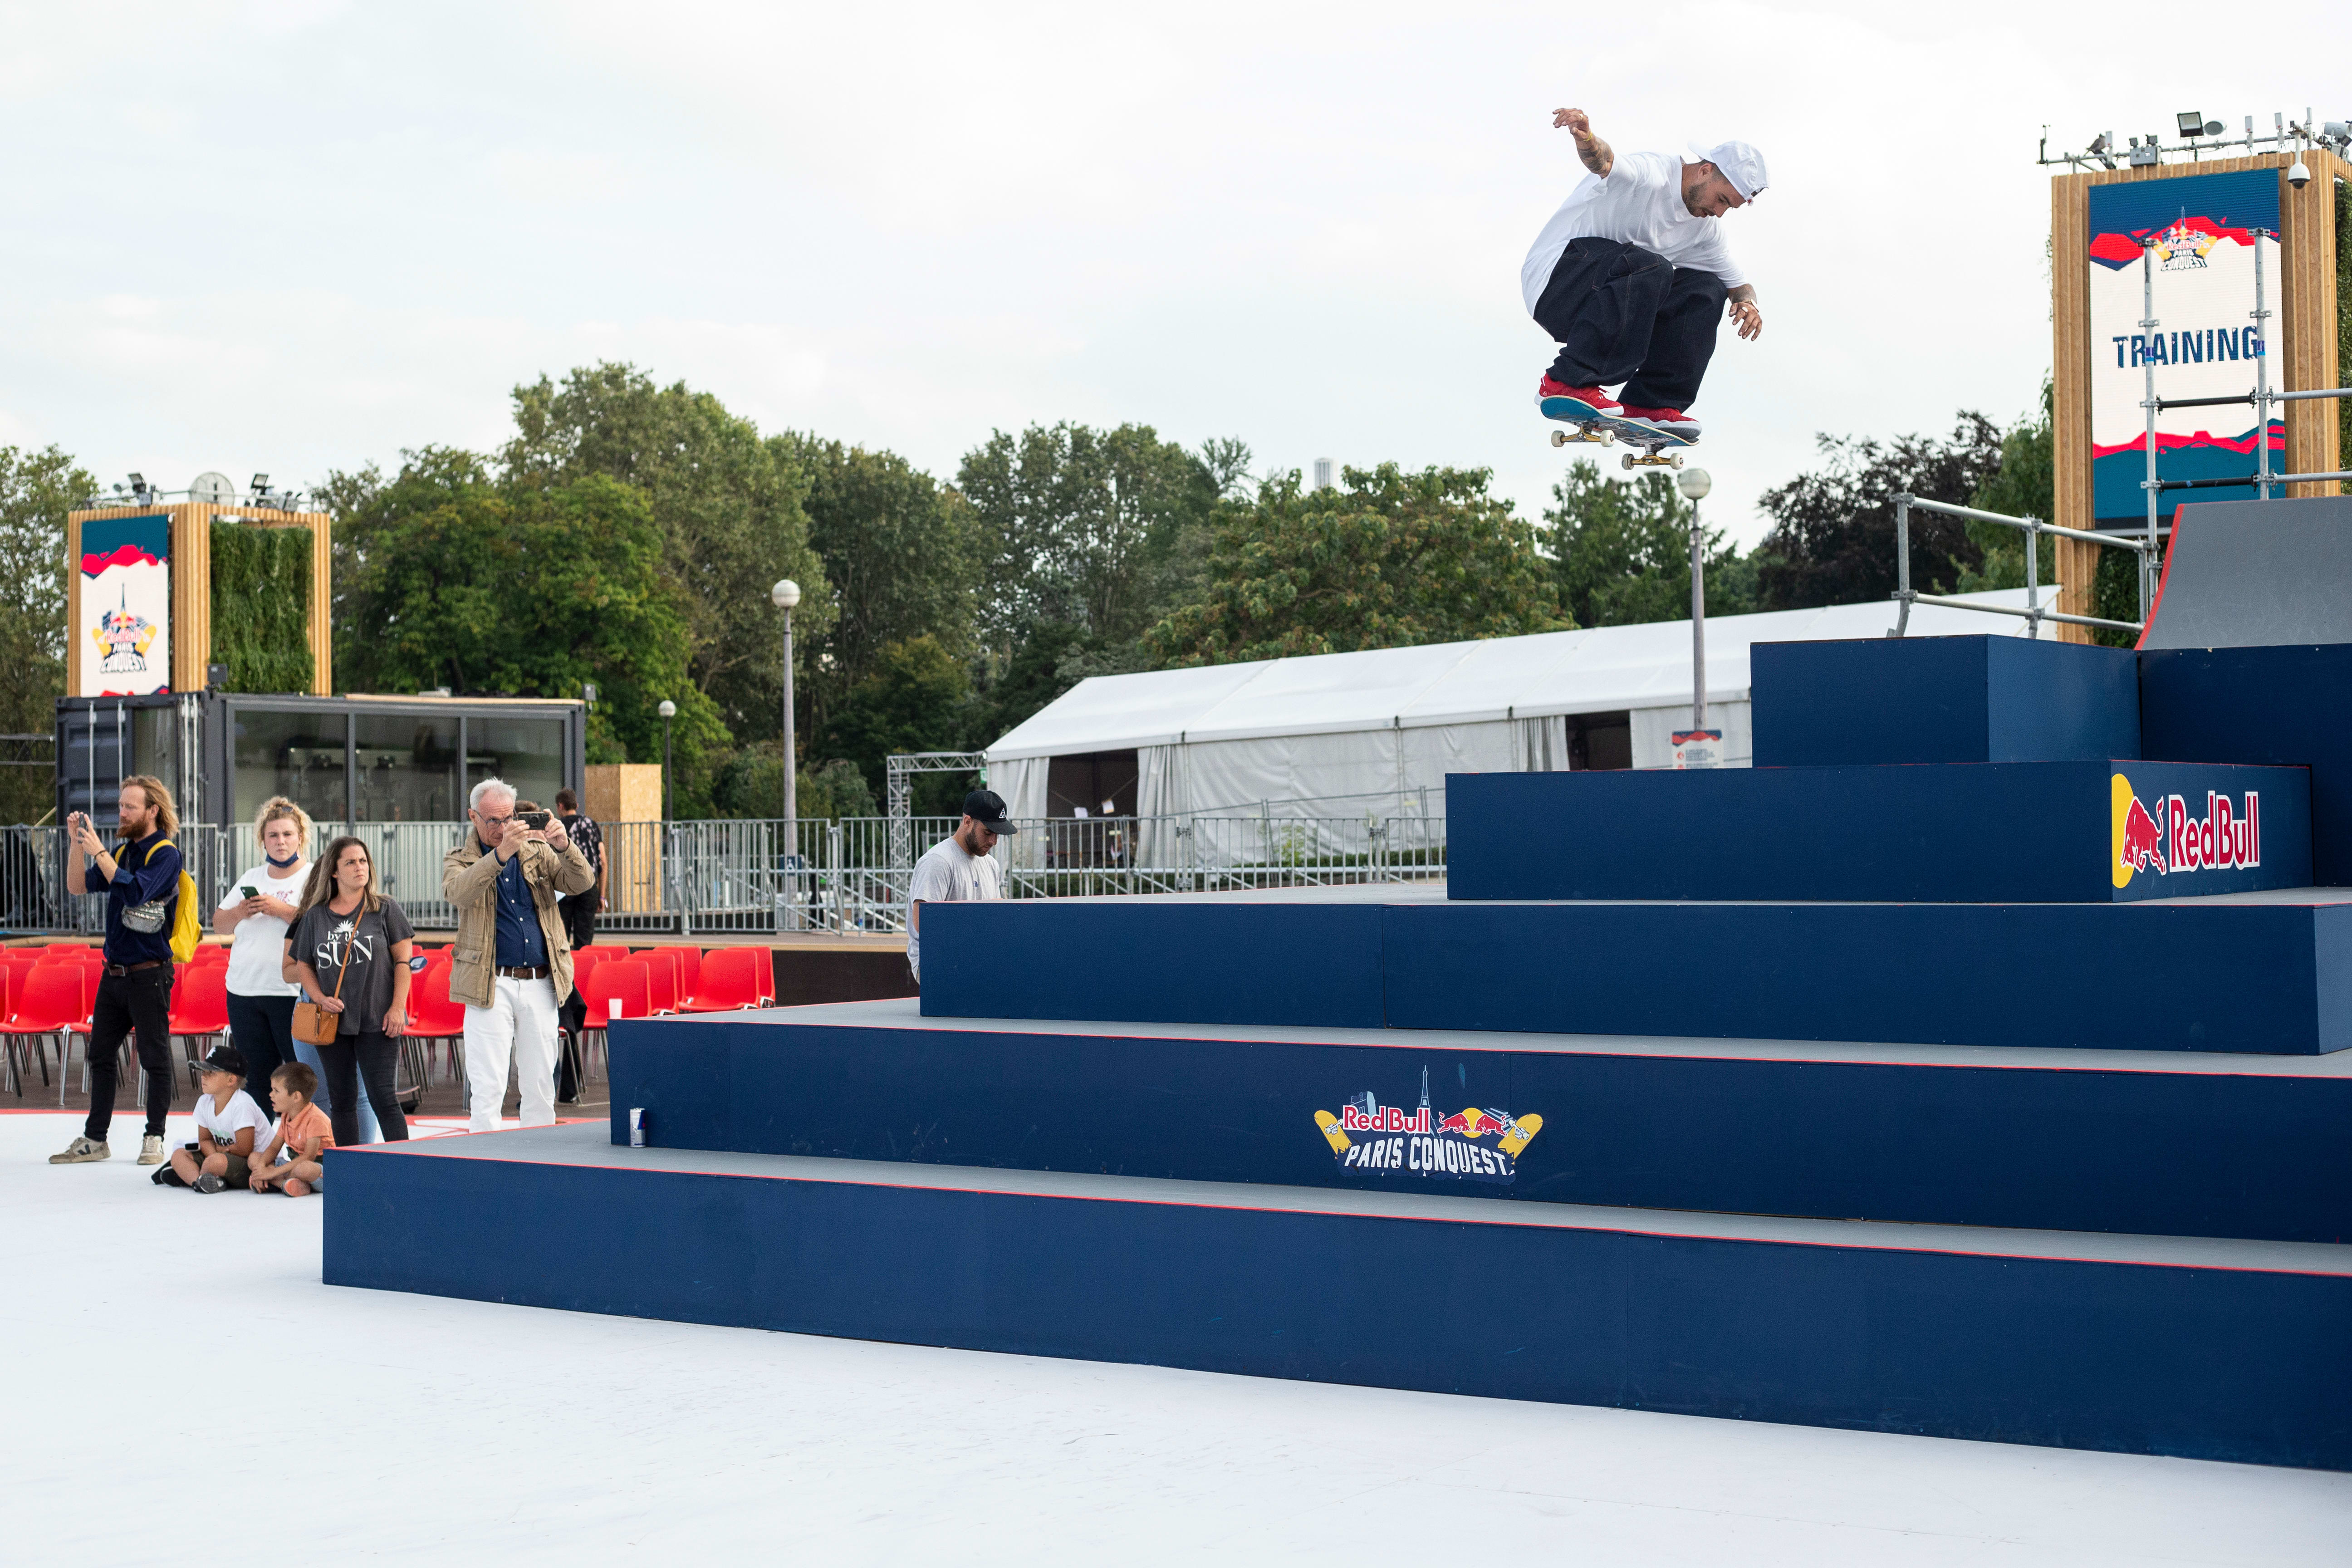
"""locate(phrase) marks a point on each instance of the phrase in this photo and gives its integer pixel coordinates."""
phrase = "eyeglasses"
(494, 821)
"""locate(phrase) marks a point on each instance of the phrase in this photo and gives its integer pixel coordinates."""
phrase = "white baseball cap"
(1742, 165)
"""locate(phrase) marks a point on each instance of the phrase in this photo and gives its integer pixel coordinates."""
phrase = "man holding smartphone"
(141, 884)
(511, 965)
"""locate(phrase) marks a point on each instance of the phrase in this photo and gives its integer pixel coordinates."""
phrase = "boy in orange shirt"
(303, 1135)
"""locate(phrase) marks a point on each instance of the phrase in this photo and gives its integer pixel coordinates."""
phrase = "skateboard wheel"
(1559, 437)
(1675, 461)
(1629, 462)
(1607, 436)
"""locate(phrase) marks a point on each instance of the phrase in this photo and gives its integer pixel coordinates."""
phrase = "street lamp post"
(1695, 483)
(784, 595)
(668, 711)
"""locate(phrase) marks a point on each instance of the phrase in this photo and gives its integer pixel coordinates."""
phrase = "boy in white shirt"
(228, 1127)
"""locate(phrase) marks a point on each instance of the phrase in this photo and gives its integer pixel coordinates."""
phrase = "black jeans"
(1622, 313)
(372, 1056)
(263, 1030)
(579, 913)
(140, 1001)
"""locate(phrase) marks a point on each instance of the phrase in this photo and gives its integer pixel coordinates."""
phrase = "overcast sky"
(298, 236)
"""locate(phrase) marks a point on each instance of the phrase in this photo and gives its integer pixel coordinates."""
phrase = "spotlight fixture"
(139, 484)
(2191, 121)
(261, 484)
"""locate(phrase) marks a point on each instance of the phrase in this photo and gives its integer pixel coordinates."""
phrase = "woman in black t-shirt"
(349, 950)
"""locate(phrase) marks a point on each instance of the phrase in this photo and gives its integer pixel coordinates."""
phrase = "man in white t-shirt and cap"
(958, 867)
(1630, 273)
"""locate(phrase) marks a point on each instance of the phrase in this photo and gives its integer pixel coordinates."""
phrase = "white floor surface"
(185, 1390)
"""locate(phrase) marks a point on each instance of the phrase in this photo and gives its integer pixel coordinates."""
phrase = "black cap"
(986, 807)
(224, 1058)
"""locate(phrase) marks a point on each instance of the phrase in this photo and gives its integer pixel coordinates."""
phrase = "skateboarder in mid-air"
(1628, 276)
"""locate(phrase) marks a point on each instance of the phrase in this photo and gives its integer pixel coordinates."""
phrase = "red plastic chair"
(584, 964)
(19, 961)
(730, 981)
(49, 1001)
(618, 987)
(767, 972)
(199, 1009)
(626, 981)
(434, 1016)
(661, 966)
(689, 961)
(69, 948)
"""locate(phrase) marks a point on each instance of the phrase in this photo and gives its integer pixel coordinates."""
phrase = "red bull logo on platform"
(1474, 1145)
(2159, 837)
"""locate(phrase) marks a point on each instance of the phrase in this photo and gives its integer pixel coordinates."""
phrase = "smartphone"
(533, 819)
(249, 892)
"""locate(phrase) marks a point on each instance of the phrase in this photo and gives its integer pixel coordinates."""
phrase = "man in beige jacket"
(512, 966)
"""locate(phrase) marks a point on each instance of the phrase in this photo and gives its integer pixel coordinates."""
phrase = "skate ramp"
(2250, 574)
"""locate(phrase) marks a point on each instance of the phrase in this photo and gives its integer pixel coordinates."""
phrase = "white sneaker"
(81, 1151)
(151, 1148)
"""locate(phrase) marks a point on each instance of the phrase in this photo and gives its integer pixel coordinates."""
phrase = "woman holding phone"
(254, 915)
(349, 950)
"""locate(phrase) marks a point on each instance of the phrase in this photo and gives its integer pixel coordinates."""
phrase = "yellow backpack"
(187, 920)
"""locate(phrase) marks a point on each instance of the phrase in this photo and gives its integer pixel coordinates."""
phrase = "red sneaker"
(1673, 421)
(1592, 397)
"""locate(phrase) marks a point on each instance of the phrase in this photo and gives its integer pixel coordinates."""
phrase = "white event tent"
(1340, 734)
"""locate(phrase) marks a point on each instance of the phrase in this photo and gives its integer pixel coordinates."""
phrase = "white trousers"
(519, 1023)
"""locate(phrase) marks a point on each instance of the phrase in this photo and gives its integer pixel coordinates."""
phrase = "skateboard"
(1591, 424)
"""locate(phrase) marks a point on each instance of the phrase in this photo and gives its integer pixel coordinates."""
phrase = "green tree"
(916, 698)
(483, 586)
(1623, 551)
(2025, 484)
(1832, 537)
(728, 505)
(37, 490)
(901, 554)
(1385, 560)
(1075, 521)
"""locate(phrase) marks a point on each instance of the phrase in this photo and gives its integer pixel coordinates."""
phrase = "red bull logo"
(1476, 1143)
(2166, 840)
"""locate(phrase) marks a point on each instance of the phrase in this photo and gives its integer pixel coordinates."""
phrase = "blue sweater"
(142, 872)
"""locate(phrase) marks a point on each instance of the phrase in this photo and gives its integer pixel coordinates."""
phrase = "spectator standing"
(580, 911)
(255, 916)
(958, 867)
(135, 993)
(349, 950)
(510, 966)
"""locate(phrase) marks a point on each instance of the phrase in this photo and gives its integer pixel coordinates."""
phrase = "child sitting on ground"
(304, 1134)
(229, 1125)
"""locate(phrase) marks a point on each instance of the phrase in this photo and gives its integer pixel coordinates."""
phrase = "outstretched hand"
(1573, 119)
(1750, 318)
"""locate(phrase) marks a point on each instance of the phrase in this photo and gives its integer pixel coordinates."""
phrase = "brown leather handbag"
(313, 1024)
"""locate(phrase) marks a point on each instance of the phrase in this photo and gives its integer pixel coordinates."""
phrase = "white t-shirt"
(1640, 202)
(947, 873)
(256, 954)
(240, 1112)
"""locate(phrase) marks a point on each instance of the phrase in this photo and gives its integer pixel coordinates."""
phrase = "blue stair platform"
(2271, 977)
(2229, 1350)
(2076, 832)
(1969, 1072)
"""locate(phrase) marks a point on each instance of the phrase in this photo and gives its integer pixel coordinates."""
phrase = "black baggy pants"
(138, 1002)
(262, 1029)
(579, 911)
(370, 1058)
(1620, 313)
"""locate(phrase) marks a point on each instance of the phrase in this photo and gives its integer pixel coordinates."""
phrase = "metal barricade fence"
(768, 877)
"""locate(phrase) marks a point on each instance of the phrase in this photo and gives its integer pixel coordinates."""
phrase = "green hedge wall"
(261, 606)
